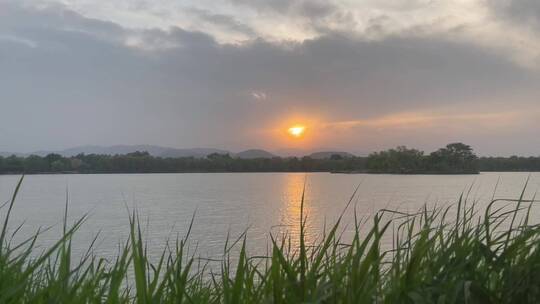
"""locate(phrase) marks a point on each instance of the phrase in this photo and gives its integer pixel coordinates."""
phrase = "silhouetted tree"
(336, 157)
(398, 160)
(454, 157)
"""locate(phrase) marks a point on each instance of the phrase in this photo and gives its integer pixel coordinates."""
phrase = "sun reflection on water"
(291, 211)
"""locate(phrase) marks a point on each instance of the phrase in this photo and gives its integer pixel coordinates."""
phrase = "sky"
(360, 75)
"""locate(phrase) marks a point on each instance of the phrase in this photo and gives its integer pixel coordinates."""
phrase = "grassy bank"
(456, 254)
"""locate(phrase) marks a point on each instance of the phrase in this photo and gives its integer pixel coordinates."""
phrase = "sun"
(297, 130)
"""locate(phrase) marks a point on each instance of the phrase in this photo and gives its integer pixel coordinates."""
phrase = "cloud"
(89, 81)
(304, 18)
(522, 12)
(224, 22)
(478, 22)
(416, 120)
(10, 38)
(258, 95)
(263, 5)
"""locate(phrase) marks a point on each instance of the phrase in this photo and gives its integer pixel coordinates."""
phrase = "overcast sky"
(362, 75)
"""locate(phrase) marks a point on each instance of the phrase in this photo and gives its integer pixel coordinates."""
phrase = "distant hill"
(254, 153)
(125, 149)
(328, 154)
(8, 154)
(195, 152)
(159, 151)
(291, 152)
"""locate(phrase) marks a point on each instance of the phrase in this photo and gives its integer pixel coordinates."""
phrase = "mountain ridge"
(157, 151)
(254, 153)
(162, 151)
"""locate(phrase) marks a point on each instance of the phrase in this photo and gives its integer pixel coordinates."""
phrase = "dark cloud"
(226, 22)
(91, 82)
(308, 8)
(523, 12)
(53, 17)
(315, 15)
(316, 9)
(281, 6)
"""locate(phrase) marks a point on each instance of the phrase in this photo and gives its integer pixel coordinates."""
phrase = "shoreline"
(409, 173)
(247, 172)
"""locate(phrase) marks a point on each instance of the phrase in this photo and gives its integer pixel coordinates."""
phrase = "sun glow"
(297, 131)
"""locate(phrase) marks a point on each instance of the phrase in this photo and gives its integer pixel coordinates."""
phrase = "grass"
(455, 254)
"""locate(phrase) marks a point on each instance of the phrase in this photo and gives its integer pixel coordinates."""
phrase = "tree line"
(456, 158)
(143, 162)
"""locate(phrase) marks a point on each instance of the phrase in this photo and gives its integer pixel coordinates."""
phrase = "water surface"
(223, 203)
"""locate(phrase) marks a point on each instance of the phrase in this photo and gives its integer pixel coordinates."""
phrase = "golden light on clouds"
(313, 131)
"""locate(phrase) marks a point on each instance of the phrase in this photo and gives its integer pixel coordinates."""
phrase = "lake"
(230, 203)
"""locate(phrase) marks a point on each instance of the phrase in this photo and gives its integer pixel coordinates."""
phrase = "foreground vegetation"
(442, 255)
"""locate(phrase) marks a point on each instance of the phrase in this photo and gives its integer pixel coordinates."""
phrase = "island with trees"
(455, 158)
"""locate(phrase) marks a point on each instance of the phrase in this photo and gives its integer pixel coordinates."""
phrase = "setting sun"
(297, 131)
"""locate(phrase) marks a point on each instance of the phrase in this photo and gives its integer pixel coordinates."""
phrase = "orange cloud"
(419, 120)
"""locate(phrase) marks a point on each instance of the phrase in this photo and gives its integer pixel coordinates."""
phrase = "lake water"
(262, 203)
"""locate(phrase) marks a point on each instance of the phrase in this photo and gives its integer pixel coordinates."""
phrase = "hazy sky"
(361, 75)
